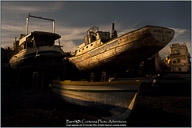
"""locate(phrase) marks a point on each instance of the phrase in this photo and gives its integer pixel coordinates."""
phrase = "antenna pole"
(27, 24)
(53, 26)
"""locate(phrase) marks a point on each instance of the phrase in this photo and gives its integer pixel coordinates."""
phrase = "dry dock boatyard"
(99, 82)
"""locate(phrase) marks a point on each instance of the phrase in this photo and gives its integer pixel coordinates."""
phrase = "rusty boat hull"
(125, 51)
(118, 98)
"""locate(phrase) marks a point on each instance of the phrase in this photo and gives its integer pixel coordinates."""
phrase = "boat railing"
(27, 21)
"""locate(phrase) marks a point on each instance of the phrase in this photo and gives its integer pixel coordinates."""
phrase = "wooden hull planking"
(45, 56)
(125, 50)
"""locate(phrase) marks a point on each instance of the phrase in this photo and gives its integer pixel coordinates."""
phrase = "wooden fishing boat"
(101, 52)
(39, 55)
(116, 97)
(37, 50)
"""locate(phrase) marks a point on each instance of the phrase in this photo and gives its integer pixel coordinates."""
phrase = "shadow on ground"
(38, 107)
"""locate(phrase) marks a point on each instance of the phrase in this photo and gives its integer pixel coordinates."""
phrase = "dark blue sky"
(168, 14)
(74, 18)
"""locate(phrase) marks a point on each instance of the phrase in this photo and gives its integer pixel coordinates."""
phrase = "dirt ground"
(36, 107)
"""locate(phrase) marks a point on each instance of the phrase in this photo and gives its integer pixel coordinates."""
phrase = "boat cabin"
(95, 38)
(37, 39)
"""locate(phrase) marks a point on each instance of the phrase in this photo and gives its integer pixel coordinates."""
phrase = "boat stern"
(163, 35)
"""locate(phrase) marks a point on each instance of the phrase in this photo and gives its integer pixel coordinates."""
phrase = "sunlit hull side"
(125, 51)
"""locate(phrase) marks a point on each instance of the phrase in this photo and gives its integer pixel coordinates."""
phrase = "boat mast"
(27, 22)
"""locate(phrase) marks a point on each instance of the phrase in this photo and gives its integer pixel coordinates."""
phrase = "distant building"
(167, 61)
(179, 59)
(165, 64)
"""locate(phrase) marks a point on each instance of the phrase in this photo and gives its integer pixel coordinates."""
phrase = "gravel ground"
(155, 107)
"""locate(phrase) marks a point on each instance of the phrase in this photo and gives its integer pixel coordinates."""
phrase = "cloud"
(13, 28)
(122, 29)
(9, 32)
(72, 33)
(69, 46)
(164, 52)
(26, 7)
(125, 31)
(7, 42)
(179, 31)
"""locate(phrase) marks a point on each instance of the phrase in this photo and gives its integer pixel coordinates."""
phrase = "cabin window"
(79, 50)
(176, 51)
(91, 44)
(87, 47)
(83, 49)
(94, 38)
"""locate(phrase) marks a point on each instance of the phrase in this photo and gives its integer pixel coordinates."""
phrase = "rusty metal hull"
(126, 50)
